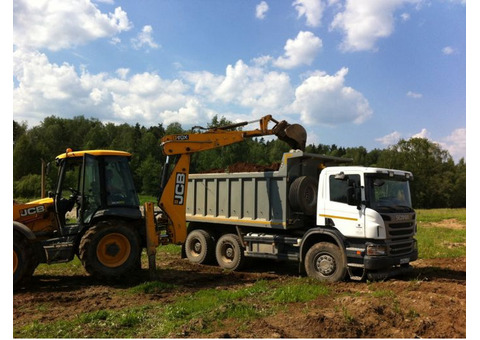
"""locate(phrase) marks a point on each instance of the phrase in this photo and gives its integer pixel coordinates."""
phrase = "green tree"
(18, 131)
(431, 166)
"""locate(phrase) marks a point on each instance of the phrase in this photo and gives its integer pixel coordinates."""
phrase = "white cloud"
(363, 22)
(299, 51)
(405, 16)
(324, 99)
(311, 9)
(414, 95)
(261, 10)
(390, 139)
(144, 38)
(448, 50)
(422, 134)
(60, 24)
(46, 88)
(248, 86)
(122, 72)
(456, 144)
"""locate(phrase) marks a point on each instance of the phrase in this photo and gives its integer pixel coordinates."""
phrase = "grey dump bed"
(256, 199)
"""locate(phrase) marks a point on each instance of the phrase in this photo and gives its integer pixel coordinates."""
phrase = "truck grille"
(400, 231)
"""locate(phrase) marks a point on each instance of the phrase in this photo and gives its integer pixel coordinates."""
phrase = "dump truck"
(337, 221)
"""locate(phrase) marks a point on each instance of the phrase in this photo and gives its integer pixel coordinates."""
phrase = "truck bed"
(254, 199)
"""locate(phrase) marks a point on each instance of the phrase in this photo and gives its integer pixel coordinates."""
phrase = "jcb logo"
(179, 196)
(32, 211)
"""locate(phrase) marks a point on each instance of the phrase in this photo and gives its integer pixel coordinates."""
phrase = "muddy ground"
(429, 303)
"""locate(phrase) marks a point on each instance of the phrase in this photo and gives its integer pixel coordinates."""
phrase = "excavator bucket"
(294, 135)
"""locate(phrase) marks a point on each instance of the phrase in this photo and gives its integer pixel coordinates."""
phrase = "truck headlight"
(376, 250)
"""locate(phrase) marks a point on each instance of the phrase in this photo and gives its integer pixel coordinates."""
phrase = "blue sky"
(353, 72)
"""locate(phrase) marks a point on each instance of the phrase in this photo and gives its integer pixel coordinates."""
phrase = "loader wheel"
(303, 195)
(229, 252)
(199, 247)
(110, 249)
(23, 262)
(325, 262)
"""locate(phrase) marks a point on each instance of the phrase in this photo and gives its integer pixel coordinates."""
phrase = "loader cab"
(94, 185)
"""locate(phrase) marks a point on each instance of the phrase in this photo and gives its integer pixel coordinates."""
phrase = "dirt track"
(431, 303)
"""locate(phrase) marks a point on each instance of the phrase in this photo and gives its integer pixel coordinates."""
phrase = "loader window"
(90, 188)
(119, 186)
(68, 190)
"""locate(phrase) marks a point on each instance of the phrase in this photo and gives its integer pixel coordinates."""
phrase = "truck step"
(356, 271)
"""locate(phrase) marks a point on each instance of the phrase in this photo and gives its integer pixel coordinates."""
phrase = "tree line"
(439, 182)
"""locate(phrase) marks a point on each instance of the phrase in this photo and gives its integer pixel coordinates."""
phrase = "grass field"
(441, 233)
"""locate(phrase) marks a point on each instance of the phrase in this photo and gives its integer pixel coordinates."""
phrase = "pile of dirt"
(245, 167)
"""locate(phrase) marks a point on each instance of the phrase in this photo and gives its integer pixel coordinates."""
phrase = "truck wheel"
(229, 252)
(303, 195)
(199, 247)
(23, 262)
(110, 249)
(324, 262)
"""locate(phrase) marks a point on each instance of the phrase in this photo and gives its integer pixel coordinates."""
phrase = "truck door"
(343, 204)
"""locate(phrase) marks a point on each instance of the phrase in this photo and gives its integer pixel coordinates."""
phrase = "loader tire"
(199, 247)
(24, 263)
(303, 195)
(229, 252)
(110, 250)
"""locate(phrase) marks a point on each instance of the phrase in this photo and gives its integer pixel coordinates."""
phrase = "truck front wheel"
(199, 247)
(229, 252)
(110, 249)
(324, 262)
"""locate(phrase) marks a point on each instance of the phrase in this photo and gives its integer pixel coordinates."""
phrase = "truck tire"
(23, 260)
(303, 195)
(199, 247)
(229, 252)
(325, 262)
(110, 249)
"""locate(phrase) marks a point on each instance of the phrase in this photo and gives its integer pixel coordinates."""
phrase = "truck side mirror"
(354, 196)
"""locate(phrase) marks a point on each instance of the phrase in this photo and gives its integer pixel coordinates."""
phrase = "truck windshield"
(388, 194)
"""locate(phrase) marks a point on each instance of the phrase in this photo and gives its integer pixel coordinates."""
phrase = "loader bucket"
(294, 135)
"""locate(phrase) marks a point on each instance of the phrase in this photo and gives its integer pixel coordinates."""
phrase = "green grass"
(438, 215)
(437, 241)
(146, 198)
(73, 267)
(198, 312)
(441, 243)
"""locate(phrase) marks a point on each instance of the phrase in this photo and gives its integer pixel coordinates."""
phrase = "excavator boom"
(293, 134)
